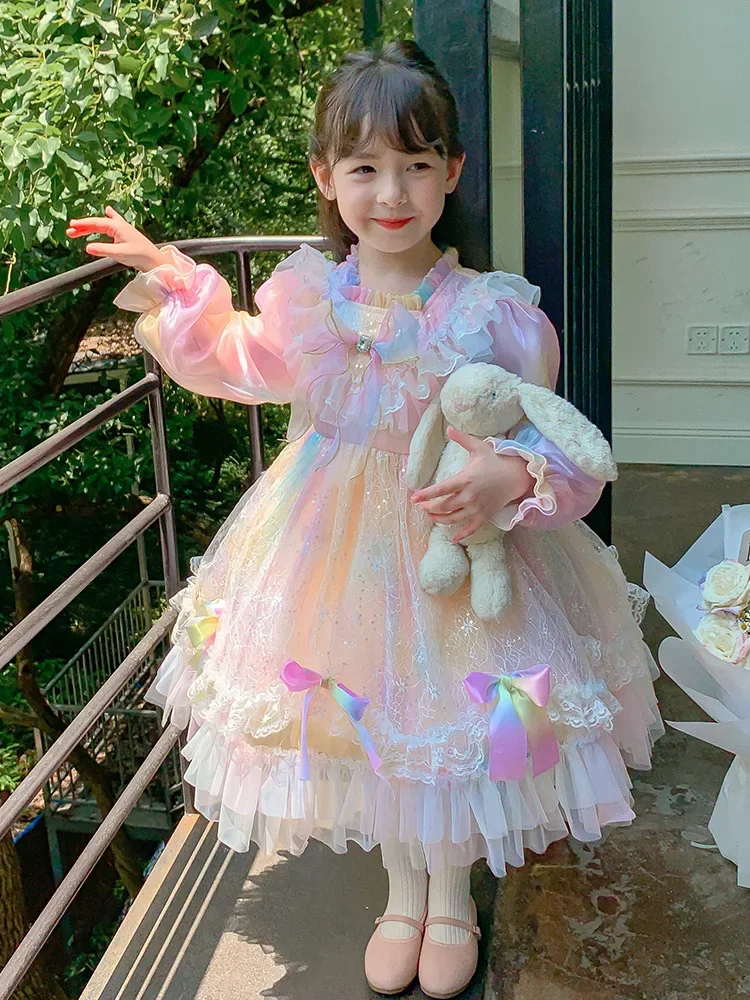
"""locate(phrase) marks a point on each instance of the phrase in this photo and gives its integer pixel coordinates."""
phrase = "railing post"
(167, 530)
(167, 527)
(254, 423)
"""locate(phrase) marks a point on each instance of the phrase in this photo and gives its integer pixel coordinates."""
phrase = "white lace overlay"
(322, 568)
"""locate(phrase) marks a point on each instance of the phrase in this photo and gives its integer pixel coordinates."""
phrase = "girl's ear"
(426, 446)
(322, 174)
(455, 166)
(565, 426)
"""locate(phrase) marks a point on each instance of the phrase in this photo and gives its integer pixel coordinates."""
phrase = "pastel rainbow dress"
(325, 694)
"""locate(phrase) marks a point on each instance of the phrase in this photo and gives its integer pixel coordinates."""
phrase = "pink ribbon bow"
(343, 374)
(519, 722)
(299, 678)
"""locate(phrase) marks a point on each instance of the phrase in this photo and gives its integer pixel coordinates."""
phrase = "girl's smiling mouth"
(393, 223)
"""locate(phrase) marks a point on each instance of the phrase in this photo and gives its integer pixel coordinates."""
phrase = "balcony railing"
(105, 699)
(121, 738)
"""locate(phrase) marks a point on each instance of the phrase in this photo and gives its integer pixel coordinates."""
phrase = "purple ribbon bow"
(299, 678)
(519, 722)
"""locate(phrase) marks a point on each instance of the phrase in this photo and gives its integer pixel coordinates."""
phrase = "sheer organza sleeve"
(525, 342)
(190, 326)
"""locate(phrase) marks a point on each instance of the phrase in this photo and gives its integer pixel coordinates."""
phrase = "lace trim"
(580, 714)
(544, 498)
(356, 292)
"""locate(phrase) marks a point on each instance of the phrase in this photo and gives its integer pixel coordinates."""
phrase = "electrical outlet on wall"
(734, 339)
(702, 339)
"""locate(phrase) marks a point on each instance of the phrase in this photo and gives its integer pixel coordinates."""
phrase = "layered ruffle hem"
(321, 567)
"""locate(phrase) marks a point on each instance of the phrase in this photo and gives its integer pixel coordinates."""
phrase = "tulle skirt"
(320, 565)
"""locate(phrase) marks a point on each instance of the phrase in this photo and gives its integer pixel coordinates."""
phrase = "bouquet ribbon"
(299, 678)
(519, 722)
(201, 629)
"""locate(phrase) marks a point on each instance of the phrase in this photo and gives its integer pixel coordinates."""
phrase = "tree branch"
(17, 717)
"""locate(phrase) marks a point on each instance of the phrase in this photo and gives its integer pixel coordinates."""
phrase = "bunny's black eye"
(494, 394)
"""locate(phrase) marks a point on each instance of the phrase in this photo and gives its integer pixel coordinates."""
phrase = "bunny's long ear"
(426, 446)
(565, 426)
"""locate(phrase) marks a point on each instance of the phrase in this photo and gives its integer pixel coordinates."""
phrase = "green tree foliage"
(107, 101)
(192, 119)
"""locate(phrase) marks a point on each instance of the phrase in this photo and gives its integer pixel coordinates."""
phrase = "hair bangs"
(391, 107)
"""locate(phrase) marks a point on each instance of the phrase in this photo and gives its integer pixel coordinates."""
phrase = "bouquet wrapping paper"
(719, 687)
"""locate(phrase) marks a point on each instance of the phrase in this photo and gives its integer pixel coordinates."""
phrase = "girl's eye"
(421, 166)
(364, 166)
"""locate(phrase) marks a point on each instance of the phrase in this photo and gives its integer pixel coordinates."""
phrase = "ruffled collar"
(352, 289)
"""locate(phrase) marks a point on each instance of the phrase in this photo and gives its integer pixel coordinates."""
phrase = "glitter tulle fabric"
(318, 562)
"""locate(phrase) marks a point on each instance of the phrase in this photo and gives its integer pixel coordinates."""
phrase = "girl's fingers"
(473, 525)
(467, 441)
(87, 226)
(453, 518)
(451, 485)
(444, 505)
(91, 220)
(104, 249)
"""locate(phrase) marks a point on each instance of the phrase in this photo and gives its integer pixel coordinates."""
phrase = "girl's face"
(381, 185)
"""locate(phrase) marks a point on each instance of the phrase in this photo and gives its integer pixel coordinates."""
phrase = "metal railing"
(160, 511)
(120, 739)
(78, 679)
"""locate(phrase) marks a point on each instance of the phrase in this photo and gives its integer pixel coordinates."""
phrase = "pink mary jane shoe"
(445, 970)
(391, 963)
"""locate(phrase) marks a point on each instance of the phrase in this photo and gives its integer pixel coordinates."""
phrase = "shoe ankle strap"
(419, 924)
(472, 928)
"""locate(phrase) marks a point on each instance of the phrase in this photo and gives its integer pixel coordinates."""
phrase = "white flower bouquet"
(705, 597)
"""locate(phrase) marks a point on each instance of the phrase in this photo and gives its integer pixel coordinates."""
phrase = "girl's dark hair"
(396, 92)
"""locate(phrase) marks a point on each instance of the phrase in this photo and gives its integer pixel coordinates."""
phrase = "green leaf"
(128, 63)
(238, 101)
(105, 66)
(12, 156)
(109, 25)
(205, 25)
(48, 146)
(160, 64)
(71, 157)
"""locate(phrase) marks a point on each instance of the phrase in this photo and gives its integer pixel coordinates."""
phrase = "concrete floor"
(644, 915)
(641, 916)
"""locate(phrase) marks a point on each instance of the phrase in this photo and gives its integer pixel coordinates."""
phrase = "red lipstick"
(393, 223)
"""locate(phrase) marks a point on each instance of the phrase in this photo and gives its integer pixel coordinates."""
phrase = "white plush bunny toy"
(487, 401)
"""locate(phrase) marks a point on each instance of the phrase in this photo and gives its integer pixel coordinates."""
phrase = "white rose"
(727, 585)
(722, 634)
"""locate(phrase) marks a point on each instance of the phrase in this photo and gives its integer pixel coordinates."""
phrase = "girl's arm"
(188, 322)
(525, 342)
(190, 326)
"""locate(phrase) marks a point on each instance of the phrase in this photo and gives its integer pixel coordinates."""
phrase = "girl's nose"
(391, 194)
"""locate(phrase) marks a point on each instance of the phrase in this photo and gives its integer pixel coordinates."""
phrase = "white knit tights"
(447, 895)
(407, 889)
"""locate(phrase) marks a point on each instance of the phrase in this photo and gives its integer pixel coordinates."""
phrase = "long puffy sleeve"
(190, 326)
(525, 342)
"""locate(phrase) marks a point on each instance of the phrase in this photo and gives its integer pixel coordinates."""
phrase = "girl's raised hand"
(480, 491)
(130, 247)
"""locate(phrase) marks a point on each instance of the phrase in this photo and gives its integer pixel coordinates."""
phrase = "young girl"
(308, 603)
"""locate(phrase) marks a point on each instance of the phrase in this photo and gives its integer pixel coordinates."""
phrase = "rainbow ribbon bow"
(201, 630)
(299, 678)
(519, 722)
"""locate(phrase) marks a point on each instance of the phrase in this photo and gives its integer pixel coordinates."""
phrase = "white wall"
(682, 228)
(506, 137)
